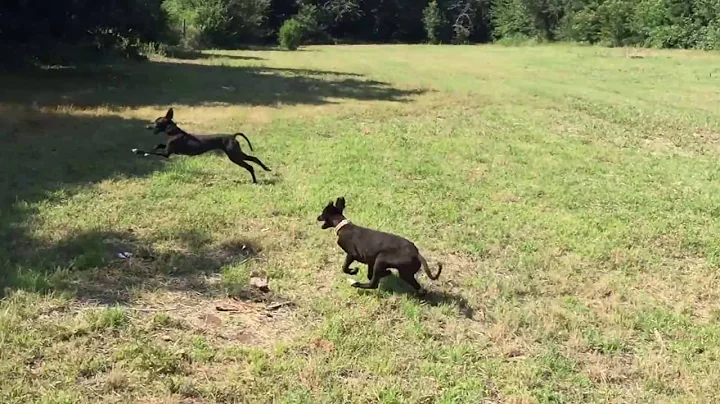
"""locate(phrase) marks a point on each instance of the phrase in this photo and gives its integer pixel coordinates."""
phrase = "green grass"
(571, 192)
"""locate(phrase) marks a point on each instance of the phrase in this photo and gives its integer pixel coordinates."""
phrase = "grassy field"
(572, 194)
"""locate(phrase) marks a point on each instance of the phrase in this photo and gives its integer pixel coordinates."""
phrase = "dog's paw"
(353, 282)
(353, 271)
(135, 151)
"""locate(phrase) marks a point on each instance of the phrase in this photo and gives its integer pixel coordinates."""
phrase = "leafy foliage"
(223, 23)
(309, 17)
(53, 32)
(291, 34)
(433, 21)
(512, 18)
(651, 23)
(69, 31)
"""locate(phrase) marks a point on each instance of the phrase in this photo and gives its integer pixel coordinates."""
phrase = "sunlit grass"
(570, 192)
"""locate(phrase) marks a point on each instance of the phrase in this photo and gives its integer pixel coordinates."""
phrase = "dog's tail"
(246, 139)
(427, 269)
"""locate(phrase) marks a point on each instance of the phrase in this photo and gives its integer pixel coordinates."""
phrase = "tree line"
(70, 28)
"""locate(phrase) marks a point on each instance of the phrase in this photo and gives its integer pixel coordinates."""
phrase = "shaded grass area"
(569, 191)
(172, 81)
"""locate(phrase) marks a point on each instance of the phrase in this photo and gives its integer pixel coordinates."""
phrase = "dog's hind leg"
(233, 148)
(256, 161)
(238, 159)
(409, 278)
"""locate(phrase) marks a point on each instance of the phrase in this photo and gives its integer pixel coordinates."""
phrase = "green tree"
(434, 22)
(512, 18)
(66, 31)
(221, 23)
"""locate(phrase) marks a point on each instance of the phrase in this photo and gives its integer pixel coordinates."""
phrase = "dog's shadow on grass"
(435, 298)
(274, 180)
(394, 285)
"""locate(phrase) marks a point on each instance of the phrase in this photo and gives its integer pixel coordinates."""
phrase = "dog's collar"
(340, 225)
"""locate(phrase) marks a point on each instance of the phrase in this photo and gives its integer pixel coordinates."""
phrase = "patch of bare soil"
(262, 321)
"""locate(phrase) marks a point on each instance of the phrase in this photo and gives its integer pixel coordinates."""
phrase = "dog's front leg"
(379, 271)
(154, 151)
(370, 271)
(346, 266)
(144, 153)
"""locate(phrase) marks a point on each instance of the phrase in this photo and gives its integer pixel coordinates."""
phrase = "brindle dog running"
(183, 143)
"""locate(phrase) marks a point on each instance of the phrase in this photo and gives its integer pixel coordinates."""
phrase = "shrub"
(616, 28)
(222, 23)
(433, 21)
(711, 39)
(291, 33)
(72, 32)
(582, 25)
(153, 49)
(512, 18)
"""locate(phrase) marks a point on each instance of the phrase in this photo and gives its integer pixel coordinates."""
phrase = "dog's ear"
(169, 114)
(340, 204)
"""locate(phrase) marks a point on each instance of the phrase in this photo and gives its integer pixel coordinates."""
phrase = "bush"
(153, 49)
(581, 26)
(291, 34)
(71, 32)
(651, 23)
(221, 23)
(711, 38)
(512, 18)
(433, 21)
(616, 28)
